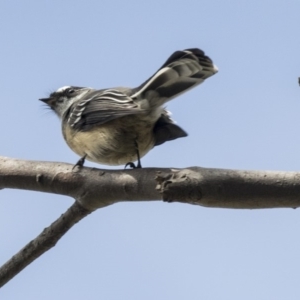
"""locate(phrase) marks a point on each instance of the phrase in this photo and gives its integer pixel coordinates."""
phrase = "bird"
(117, 126)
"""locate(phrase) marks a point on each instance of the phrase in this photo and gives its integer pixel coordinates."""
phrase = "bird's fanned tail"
(182, 71)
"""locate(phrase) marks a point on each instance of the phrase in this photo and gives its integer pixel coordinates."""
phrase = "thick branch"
(95, 188)
(231, 188)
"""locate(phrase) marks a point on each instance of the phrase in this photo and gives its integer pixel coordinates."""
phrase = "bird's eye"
(71, 91)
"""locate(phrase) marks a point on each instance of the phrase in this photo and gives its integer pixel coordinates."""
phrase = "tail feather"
(182, 71)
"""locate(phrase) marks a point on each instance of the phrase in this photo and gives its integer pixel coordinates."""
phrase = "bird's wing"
(101, 108)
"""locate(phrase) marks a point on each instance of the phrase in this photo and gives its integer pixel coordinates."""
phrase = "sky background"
(245, 117)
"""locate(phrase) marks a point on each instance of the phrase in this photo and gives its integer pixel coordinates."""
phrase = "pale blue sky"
(245, 117)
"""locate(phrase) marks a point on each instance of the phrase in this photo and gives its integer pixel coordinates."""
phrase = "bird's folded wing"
(99, 109)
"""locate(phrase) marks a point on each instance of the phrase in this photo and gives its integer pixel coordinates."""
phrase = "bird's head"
(64, 97)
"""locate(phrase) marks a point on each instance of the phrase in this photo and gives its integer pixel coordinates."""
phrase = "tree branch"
(42, 243)
(231, 188)
(95, 188)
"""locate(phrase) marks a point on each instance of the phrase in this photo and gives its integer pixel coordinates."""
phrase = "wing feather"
(101, 108)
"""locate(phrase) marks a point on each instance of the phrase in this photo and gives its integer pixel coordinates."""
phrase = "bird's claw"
(80, 162)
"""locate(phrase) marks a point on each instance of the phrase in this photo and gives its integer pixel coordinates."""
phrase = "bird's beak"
(49, 101)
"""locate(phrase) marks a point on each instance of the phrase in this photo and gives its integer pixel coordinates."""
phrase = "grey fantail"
(119, 125)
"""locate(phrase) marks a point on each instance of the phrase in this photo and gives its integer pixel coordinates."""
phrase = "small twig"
(42, 243)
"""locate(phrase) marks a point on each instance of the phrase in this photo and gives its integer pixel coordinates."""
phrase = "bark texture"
(95, 188)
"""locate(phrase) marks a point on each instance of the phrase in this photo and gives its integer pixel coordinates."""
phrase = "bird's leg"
(80, 162)
(131, 164)
(139, 165)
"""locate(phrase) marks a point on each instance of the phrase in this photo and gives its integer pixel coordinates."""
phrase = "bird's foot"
(80, 162)
(133, 166)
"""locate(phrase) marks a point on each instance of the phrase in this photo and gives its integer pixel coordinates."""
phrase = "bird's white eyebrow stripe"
(63, 88)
